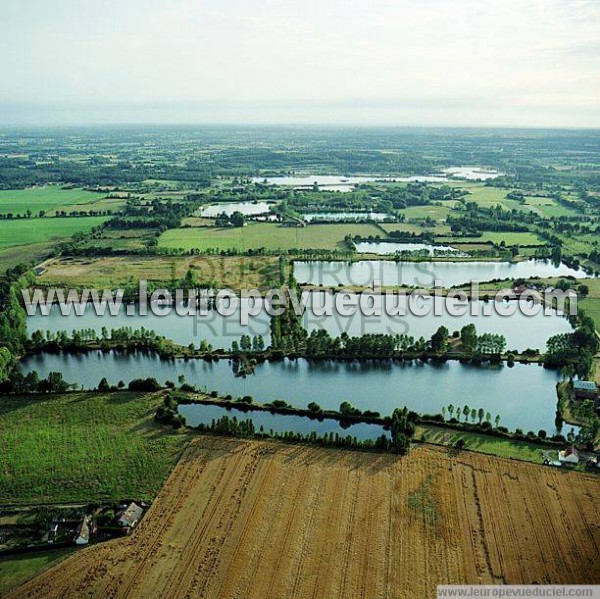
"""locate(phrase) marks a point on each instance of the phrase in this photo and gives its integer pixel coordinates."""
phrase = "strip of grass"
(83, 447)
(591, 304)
(499, 446)
(36, 230)
(270, 236)
(17, 569)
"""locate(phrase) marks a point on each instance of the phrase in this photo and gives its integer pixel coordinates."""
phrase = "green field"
(83, 447)
(591, 304)
(548, 207)
(499, 446)
(52, 198)
(16, 569)
(19, 254)
(37, 230)
(270, 236)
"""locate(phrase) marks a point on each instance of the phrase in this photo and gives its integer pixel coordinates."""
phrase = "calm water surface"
(196, 414)
(524, 396)
(424, 274)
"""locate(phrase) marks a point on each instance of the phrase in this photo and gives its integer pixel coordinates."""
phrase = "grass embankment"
(16, 569)
(488, 444)
(83, 447)
(270, 236)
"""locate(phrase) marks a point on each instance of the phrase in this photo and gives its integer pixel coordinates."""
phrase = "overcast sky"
(396, 62)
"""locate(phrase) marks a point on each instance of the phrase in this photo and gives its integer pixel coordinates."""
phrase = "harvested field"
(262, 519)
(235, 272)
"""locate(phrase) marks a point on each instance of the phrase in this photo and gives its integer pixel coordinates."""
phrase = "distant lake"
(246, 208)
(424, 274)
(388, 248)
(340, 183)
(470, 173)
(524, 396)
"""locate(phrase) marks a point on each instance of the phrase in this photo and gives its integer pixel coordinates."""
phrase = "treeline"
(21, 384)
(13, 326)
(575, 350)
(245, 429)
(476, 219)
(119, 339)
(17, 172)
(290, 337)
(156, 214)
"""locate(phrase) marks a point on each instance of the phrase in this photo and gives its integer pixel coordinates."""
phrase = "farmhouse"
(130, 516)
(568, 456)
(585, 389)
(82, 534)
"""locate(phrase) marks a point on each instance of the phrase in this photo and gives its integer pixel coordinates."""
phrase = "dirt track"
(243, 519)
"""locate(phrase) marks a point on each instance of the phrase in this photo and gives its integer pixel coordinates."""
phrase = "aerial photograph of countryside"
(299, 300)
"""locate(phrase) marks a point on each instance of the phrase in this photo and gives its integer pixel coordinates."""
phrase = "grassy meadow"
(270, 236)
(38, 230)
(51, 199)
(83, 447)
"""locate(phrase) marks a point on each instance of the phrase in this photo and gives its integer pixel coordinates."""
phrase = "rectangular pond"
(196, 414)
(246, 208)
(390, 248)
(422, 317)
(425, 273)
(218, 330)
(346, 216)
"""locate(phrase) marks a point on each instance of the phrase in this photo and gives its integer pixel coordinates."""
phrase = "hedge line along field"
(259, 519)
(265, 235)
(36, 230)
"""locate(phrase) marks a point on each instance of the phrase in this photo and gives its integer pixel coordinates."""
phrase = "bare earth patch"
(262, 519)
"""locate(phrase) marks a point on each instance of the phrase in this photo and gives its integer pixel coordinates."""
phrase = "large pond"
(424, 274)
(524, 396)
(384, 314)
(346, 216)
(246, 208)
(218, 330)
(389, 248)
(524, 325)
(196, 414)
(340, 183)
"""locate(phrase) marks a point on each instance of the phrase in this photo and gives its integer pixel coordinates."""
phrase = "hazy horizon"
(509, 64)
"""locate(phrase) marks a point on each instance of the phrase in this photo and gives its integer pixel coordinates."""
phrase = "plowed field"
(241, 519)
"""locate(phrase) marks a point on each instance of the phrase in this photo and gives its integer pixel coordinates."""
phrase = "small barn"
(82, 534)
(585, 389)
(130, 516)
(568, 456)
